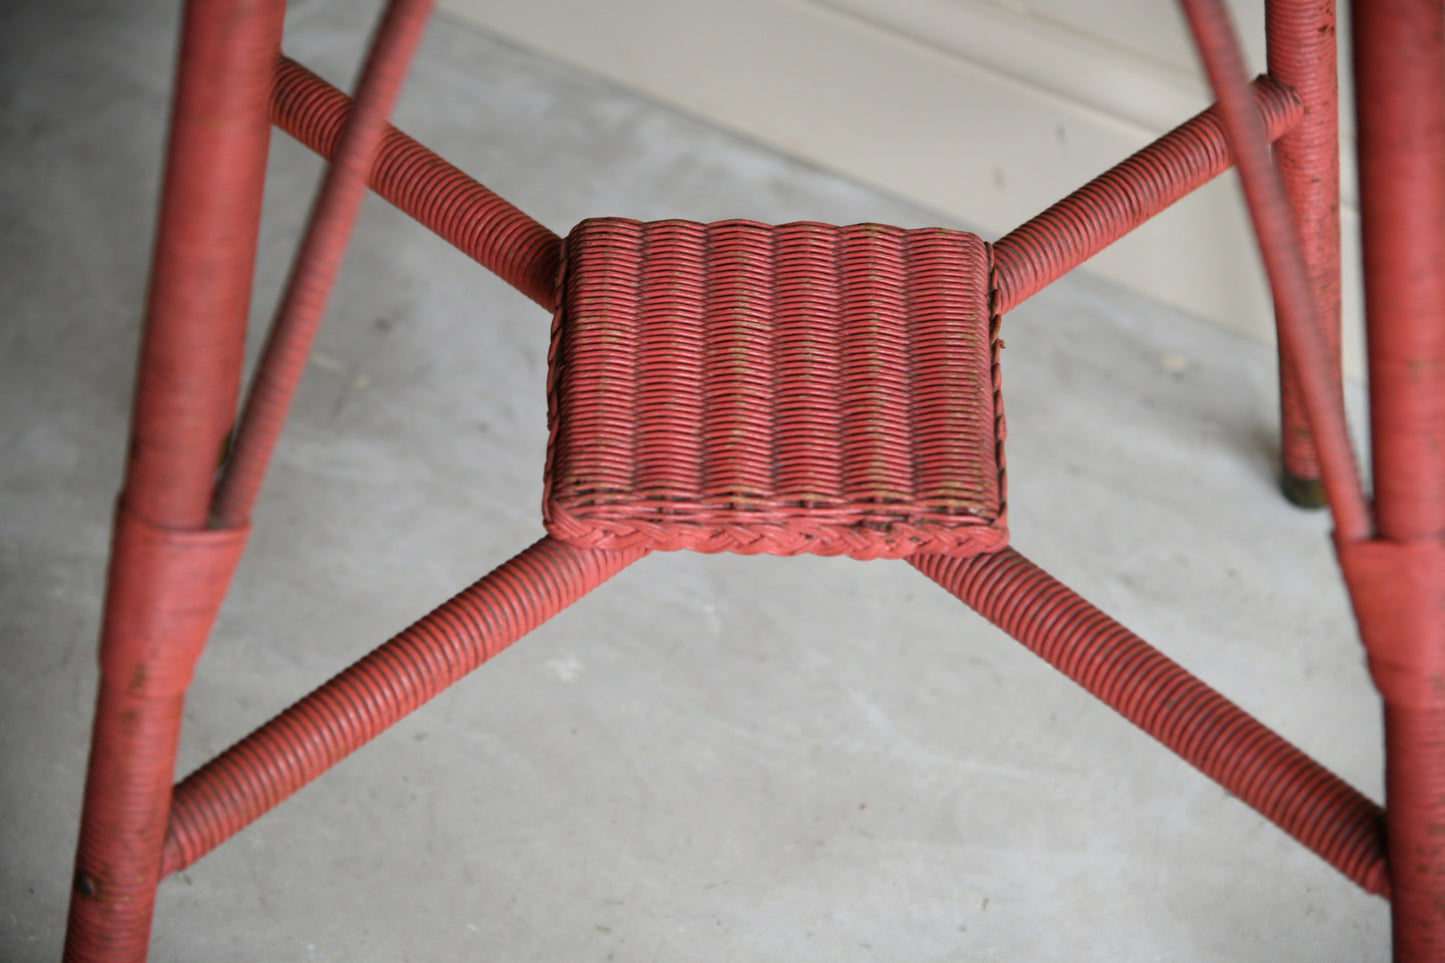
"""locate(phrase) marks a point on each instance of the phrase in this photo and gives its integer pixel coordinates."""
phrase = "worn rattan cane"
(799, 388)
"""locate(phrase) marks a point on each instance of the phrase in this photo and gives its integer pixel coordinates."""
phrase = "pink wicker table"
(782, 389)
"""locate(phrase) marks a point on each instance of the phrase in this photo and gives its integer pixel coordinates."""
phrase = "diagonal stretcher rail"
(1214, 735)
(1297, 318)
(525, 254)
(253, 776)
(318, 260)
(482, 225)
(1046, 247)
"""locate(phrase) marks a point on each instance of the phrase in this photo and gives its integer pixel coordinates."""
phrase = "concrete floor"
(712, 758)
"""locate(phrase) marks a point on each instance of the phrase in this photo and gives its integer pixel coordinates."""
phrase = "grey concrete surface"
(711, 758)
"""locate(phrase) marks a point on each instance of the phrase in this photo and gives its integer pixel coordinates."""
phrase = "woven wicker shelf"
(795, 389)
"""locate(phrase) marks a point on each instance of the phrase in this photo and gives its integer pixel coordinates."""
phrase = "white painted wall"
(986, 110)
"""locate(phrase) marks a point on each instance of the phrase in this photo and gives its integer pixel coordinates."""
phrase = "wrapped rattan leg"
(1415, 788)
(1301, 337)
(167, 572)
(1397, 580)
(1301, 41)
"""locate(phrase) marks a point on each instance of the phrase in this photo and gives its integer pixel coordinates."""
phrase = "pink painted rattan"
(802, 388)
(736, 387)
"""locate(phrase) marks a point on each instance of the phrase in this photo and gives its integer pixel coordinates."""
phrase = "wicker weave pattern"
(782, 390)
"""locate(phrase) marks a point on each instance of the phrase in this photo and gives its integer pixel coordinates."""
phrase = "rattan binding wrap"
(795, 389)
